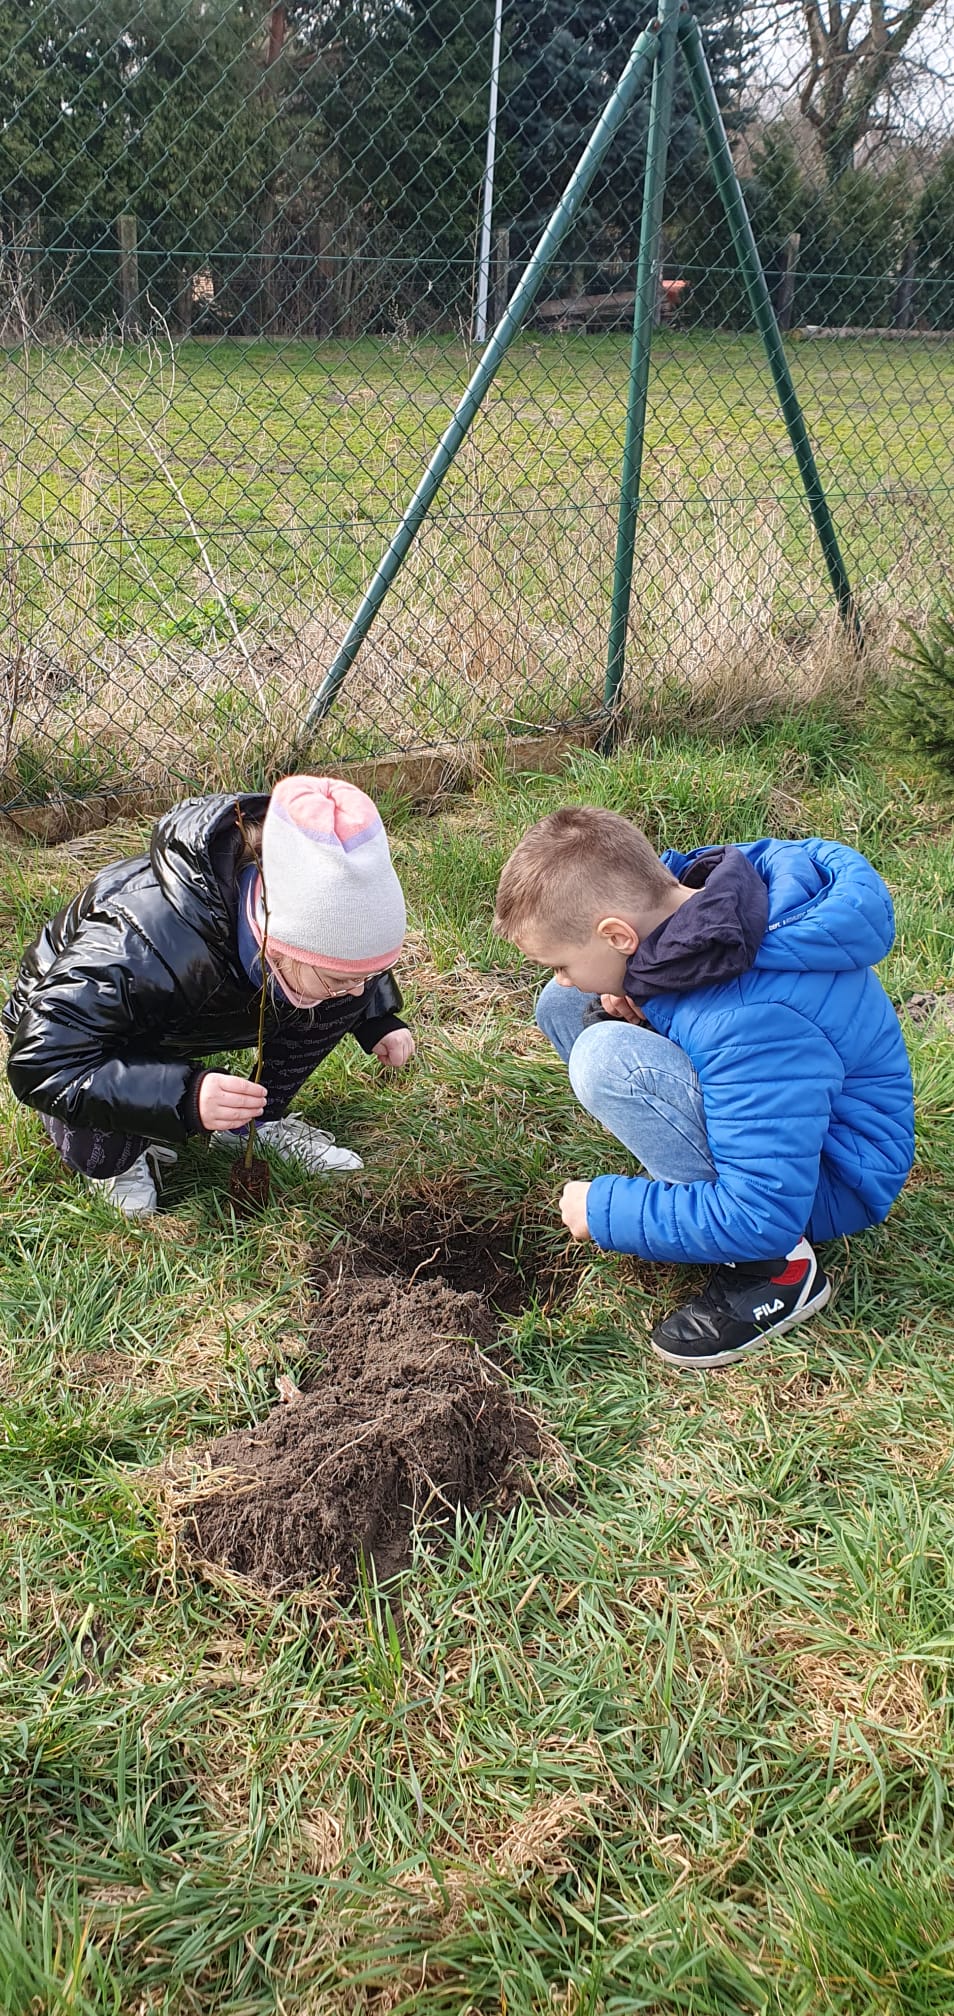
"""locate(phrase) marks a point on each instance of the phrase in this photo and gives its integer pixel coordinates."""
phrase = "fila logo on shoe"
(769, 1308)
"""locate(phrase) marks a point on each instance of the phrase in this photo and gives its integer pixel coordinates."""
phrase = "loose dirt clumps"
(922, 1009)
(404, 1422)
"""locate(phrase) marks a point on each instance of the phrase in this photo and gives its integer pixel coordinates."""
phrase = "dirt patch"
(404, 1422)
(249, 1186)
(503, 1264)
(924, 1008)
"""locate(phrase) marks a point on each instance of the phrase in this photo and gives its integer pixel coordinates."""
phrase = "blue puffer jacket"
(801, 1060)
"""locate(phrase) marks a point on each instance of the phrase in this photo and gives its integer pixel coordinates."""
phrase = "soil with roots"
(406, 1422)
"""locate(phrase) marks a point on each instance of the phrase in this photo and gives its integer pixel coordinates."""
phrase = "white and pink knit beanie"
(334, 899)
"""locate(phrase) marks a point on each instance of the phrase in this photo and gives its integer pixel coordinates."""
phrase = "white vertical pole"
(487, 193)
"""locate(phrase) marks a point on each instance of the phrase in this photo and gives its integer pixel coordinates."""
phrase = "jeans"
(640, 1086)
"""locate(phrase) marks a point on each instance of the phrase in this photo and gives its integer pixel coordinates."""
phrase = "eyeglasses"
(334, 984)
(365, 978)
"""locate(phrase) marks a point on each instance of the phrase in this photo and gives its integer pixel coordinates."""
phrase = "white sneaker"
(134, 1192)
(295, 1140)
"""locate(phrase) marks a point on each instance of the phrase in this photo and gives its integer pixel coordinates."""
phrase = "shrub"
(921, 706)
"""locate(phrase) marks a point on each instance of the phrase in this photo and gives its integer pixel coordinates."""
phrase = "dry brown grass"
(856, 1694)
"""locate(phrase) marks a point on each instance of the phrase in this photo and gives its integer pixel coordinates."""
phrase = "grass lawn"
(325, 433)
(186, 533)
(673, 1735)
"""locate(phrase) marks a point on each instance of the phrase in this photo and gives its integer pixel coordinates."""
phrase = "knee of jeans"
(547, 1002)
(593, 1062)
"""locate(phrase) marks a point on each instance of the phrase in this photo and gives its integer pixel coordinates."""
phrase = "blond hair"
(575, 867)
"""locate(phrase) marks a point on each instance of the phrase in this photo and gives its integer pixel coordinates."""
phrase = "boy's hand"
(573, 1209)
(395, 1049)
(228, 1102)
(617, 1004)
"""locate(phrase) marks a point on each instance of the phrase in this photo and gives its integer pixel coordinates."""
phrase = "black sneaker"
(741, 1305)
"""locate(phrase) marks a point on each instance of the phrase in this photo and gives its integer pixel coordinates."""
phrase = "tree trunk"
(24, 292)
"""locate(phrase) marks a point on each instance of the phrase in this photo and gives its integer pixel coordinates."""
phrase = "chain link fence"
(246, 256)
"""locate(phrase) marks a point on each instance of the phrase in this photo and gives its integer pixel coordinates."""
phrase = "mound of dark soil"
(405, 1421)
(924, 1008)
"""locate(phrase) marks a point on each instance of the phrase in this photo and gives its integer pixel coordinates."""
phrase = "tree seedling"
(250, 1178)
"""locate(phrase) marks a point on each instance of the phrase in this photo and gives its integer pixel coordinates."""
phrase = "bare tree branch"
(843, 80)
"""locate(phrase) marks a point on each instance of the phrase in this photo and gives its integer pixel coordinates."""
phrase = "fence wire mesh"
(241, 256)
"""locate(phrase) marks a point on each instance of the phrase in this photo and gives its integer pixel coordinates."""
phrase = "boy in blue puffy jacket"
(718, 1012)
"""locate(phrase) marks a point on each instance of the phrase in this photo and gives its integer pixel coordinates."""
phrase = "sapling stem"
(263, 990)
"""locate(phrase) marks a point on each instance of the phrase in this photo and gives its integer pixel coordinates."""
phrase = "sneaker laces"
(715, 1294)
(730, 1276)
(291, 1127)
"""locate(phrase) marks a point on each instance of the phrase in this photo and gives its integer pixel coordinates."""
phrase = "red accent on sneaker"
(795, 1271)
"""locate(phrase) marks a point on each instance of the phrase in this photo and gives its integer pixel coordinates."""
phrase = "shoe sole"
(718, 1358)
(306, 1168)
(138, 1210)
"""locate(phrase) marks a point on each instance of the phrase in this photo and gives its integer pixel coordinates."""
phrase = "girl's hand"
(227, 1102)
(395, 1049)
(573, 1209)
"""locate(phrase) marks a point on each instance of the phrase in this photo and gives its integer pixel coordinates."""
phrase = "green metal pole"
(644, 315)
(709, 116)
(611, 119)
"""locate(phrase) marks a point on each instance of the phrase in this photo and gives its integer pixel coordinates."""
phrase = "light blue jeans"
(639, 1085)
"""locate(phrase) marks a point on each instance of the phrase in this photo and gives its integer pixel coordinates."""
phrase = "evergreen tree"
(155, 109)
(330, 171)
(393, 98)
(935, 236)
(568, 55)
(921, 705)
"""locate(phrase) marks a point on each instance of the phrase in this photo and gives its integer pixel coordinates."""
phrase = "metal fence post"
(501, 271)
(902, 314)
(487, 187)
(127, 235)
(26, 303)
(709, 116)
(644, 318)
(786, 292)
(608, 125)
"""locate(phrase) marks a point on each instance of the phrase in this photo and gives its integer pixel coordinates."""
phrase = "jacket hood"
(828, 909)
(710, 940)
(195, 850)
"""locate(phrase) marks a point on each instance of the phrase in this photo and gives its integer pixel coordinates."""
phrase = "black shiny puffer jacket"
(128, 988)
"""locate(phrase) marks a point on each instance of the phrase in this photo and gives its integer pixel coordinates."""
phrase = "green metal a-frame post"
(648, 276)
(706, 107)
(621, 102)
(654, 52)
(677, 22)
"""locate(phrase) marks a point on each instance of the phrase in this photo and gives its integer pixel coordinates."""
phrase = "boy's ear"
(616, 932)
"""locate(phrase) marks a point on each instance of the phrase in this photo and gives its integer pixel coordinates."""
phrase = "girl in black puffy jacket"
(159, 963)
